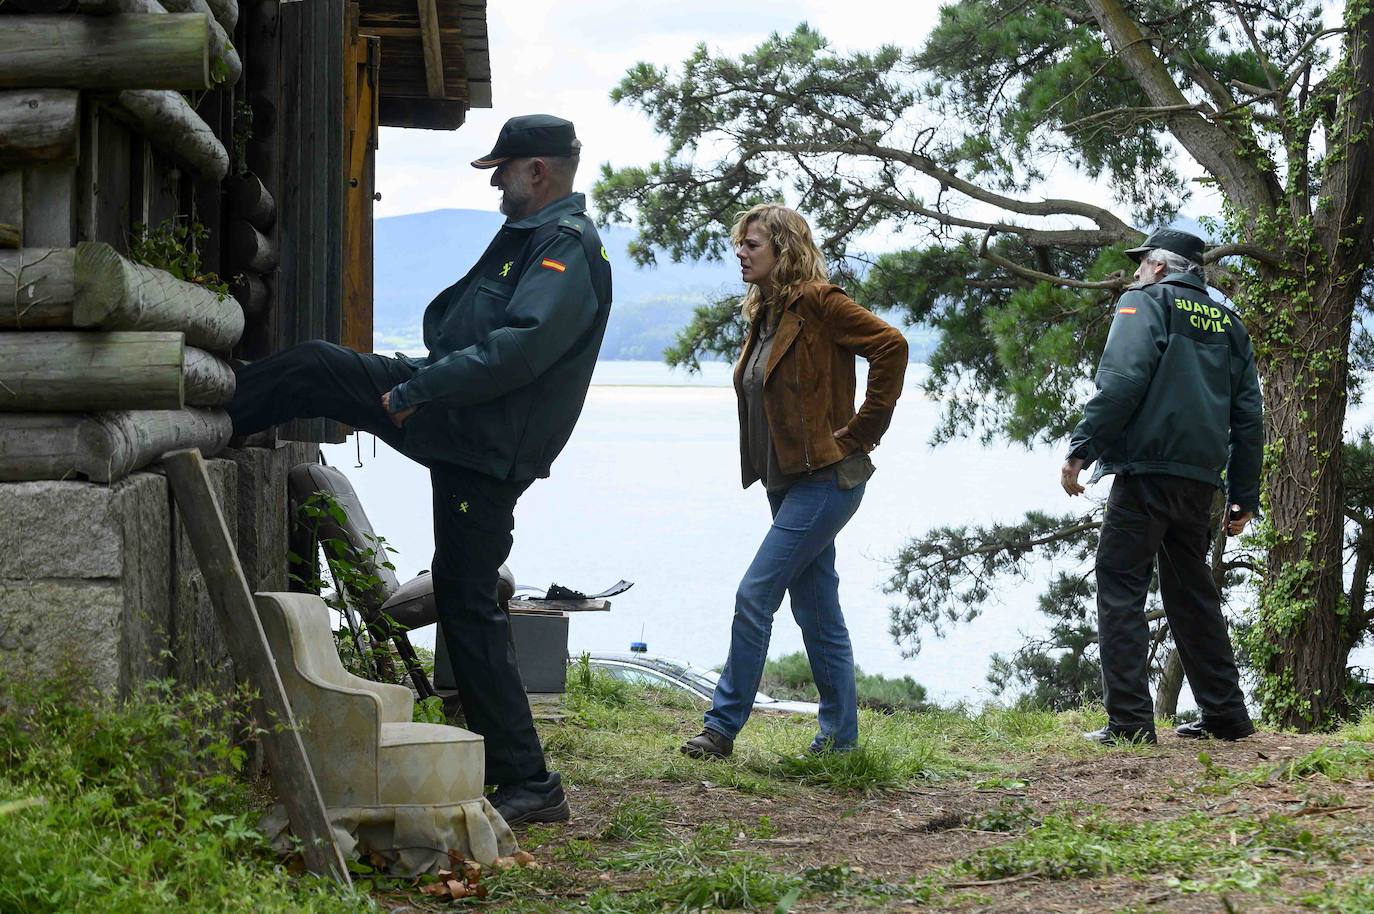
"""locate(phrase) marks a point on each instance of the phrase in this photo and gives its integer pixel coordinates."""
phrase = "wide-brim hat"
(531, 135)
(1184, 244)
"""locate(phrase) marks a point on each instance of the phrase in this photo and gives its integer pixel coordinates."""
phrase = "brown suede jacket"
(808, 383)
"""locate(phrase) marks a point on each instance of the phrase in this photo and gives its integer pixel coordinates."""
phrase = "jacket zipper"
(796, 374)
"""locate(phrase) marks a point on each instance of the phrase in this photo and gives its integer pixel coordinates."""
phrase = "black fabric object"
(474, 517)
(1184, 244)
(531, 135)
(1164, 517)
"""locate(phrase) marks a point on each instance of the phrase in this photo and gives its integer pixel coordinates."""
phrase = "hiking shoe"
(823, 744)
(535, 800)
(1229, 730)
(1112, 735)
(709, 744)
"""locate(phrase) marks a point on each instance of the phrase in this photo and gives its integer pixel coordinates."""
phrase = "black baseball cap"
(531, 135)
(1184, 244)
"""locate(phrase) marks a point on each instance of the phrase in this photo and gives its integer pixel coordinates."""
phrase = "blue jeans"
(797, 556)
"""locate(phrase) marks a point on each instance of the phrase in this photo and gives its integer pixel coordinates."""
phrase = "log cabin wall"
(123, 119)
(239, 136)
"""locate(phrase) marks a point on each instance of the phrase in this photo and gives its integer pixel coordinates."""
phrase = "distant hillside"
(419, 255)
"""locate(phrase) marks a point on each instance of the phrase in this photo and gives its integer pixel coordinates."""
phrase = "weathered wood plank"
(208, 380)
(170, 123)
(559, 606)
(115, 294)
(426, 113)
(292, 776)
(37, 288)
(429, 40)
(12, 203)
(106, 52)
(49, 197)
(39, 125)
(68, 370)
(102, 447)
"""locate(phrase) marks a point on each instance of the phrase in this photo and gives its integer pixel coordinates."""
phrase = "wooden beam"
(113, 293)
(109, 52)
(37, 288)
(225, 65)
(250, 201)
(208, 380)
(39, 125)
(426, 113)
(102, 447)
(252, 294)
(434, 56)
(226, 13)
(75, 371)
(292, 775)
(169, 122)
(250, 249)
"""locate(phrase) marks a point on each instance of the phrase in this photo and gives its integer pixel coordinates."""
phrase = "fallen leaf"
(456, 860)
(524, 858)
(445, 875)
(434, 888)
(456, 889)
(472, 871)
(503, 863)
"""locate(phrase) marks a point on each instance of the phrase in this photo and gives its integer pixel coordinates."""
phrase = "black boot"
(1216, 729)
(535, 800)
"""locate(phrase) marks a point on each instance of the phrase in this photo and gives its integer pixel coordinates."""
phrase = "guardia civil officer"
(1177, 404)
(511, 348)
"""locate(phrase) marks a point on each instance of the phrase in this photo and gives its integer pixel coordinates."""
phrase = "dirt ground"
(897, 835)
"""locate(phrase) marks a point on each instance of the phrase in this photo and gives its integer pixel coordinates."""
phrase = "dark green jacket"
(512, 346)
(1177, 392)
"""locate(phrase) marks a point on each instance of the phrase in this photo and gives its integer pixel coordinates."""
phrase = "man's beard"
(515, 197)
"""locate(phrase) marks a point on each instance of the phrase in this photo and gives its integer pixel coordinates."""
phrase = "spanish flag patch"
(550, 264)
(1125, 311)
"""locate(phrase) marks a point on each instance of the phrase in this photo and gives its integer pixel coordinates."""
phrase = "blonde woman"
(802, 438)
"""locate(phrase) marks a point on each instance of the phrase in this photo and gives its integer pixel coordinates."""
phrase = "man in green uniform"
(1177, 404)
(512, 346)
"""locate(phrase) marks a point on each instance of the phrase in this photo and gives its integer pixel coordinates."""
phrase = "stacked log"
(100, 359)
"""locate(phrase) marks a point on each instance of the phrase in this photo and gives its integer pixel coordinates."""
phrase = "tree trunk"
(1169, 685)
(1302, 642)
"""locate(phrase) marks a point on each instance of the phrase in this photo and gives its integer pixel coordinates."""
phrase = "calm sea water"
(648, 490)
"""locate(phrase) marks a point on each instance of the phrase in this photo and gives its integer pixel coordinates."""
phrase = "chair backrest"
(340, 722)
(354, 530)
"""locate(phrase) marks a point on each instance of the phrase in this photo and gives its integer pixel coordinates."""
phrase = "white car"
(644, 669)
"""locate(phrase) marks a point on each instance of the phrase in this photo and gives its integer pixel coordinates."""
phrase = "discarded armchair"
(408, 791)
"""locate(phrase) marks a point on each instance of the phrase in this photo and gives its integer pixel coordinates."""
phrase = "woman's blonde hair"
(799, 260)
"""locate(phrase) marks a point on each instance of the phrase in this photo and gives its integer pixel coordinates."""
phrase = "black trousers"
(1169, 518)
(474, 517)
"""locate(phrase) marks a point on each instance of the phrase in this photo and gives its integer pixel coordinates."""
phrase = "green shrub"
(135, 807)
(789, 677)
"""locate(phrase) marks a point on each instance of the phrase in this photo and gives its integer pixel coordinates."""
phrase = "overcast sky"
(564, 58)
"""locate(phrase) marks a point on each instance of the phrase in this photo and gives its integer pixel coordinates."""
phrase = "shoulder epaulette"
(571, 224)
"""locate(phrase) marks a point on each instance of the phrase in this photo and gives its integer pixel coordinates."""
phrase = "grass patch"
(140, 810)
(1069, 847)
(1335, 763)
